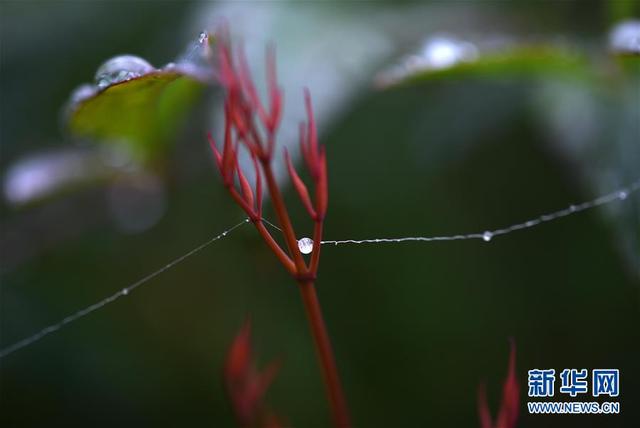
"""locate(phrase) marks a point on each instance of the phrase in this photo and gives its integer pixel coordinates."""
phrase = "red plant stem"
(283, 218)
(241, 107)
(284, 258)
(317, 240)
(319, 332)
(325, 354)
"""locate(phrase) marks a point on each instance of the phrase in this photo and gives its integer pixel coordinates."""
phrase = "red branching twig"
(251, 126)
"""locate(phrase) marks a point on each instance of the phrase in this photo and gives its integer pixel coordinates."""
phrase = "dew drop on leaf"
(81, 93)
(624, 38)
(121, 68)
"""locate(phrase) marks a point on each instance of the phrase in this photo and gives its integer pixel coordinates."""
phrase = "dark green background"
(416, 327)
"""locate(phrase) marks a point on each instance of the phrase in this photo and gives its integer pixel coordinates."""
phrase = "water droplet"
(224, 233)
(121, 68)
(443, 52)
(305, 245)
(81, 93)
(204, 36)
(103, 83)
(625, 37)
(125, 291)
(572, 208)
(487, 236)
(622, 195)
(437, 53)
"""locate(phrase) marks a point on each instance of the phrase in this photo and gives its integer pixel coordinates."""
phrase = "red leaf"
(247, 191)
(312, 136)
(299, 185)
(239, 354)
(510, 406)
(322, 189)
(483, 407)
(275, 93)
(246, 385)
(258, 185)
(218, 156)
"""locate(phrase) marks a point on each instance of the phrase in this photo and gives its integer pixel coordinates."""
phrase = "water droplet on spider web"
(487, 236)
(622, 195)
(305, 245)
(121, 68)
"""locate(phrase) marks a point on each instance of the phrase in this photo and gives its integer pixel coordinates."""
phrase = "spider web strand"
(123, 292)
(618, 195)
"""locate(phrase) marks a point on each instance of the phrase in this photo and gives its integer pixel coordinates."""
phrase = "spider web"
(619, 195)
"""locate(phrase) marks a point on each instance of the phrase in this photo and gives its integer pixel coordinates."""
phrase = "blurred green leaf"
(519, 62)
(143, 113)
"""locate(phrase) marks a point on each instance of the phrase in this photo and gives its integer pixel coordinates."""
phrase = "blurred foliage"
(515, 62)
(143, 112)
(623, 9)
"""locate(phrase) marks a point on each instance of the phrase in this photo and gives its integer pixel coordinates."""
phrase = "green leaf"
(142, 113)
(516, 62)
